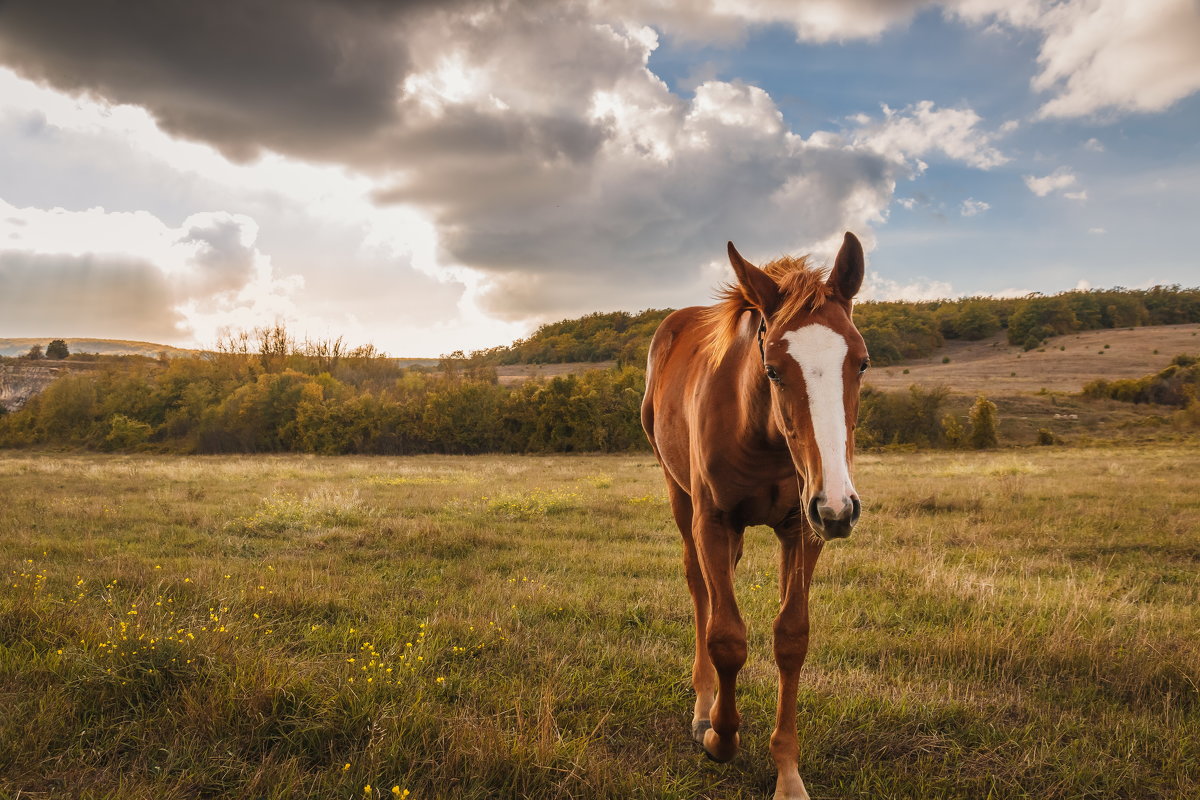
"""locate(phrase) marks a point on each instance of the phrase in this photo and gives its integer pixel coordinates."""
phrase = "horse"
(750, 408)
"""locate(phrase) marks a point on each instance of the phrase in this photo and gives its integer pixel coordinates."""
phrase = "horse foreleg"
(719, 545)
(798, 556)
(704, 679)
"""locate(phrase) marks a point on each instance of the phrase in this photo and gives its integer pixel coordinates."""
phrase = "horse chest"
(771, 504)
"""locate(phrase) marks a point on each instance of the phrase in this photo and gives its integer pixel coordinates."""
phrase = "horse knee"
(791, 643)
(727, 650)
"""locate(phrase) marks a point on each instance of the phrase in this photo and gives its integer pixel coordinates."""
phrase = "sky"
(436, 176)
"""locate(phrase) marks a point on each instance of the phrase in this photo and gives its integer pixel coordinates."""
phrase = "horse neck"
(758, 428)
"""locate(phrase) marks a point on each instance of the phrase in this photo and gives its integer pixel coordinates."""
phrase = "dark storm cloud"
(299, 76)
(551, 160)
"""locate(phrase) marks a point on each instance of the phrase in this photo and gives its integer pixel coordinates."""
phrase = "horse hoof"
(718, 749)
(698, 729)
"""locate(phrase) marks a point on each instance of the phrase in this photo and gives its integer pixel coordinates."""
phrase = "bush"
(1172, 386)
(983, 424)
(125, 433)
(912, 417)
(953, 431)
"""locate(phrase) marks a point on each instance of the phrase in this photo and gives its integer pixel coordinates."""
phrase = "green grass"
(1017, 624)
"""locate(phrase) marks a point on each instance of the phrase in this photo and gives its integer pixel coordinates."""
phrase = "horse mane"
(802, 287)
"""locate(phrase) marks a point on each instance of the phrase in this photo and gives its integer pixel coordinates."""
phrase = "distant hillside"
(602, 336)
(1065, 364)
(19, 346)
(896, 331)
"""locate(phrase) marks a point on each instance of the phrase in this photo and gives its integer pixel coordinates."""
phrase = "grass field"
(1017, 624)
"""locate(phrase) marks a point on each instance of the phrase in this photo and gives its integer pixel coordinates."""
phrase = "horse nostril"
(814, 513)
(857, 509)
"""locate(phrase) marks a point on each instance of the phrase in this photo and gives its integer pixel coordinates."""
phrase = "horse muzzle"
(830, 523)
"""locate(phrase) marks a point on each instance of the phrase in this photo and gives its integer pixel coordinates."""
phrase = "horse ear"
(847, 275)
(757, 285)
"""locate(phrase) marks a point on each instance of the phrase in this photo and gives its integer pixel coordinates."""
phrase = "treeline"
(265, 393)
(894, 330)
(613, 336)
(899, 330)
(284, 398)
(234, 403)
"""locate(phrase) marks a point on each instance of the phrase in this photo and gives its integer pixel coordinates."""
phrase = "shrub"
(912, 417)
(953, 431)
(983, 424)
(125, 433)
(1170, 386)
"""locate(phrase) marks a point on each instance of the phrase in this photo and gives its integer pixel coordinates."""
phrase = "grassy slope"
(1039, 389)
(1004, 625)
(1064, 365)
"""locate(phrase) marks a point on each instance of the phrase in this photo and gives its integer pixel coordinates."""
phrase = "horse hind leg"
(704, 678)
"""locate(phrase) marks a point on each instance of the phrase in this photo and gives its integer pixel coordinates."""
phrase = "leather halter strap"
(762, 331)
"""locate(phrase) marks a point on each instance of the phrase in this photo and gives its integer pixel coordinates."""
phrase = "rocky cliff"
(19, 382)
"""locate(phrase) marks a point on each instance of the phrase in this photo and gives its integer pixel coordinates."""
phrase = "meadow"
(1003, 624)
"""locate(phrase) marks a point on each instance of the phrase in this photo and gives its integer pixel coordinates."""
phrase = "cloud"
(1094, 56)
(877, 287)
(299, 76)
(1118, 55)
(812, 21)
(1080, 195)
(1055, 181)
(922, 130)
(1094, 145)
(558, 172)
(99, 273)
(971, 207)
(521, 149)
(79, 295)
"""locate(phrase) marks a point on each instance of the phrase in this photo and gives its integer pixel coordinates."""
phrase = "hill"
(19, 346)
(1064, 364)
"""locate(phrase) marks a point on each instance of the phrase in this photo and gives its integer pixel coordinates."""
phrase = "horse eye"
(865, 363)
(772, 374)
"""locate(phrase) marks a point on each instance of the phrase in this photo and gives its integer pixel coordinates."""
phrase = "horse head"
(812, 362)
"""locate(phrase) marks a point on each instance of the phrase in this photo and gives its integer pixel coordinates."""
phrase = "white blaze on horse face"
(821, 354)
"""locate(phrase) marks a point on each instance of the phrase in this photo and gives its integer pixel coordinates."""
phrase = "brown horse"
(750, 407)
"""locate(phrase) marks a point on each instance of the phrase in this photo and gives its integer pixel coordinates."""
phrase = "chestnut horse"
(750, 406)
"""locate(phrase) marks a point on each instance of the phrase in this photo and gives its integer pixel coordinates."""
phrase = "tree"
(976, 321)
(952, 430)
(983, 424)
(57, 349)
(1039, 318)
(35, 353)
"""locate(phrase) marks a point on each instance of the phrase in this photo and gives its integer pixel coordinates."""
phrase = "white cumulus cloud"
(877, 287)
(971, 207)
(1058, 180)
(1118, 55)
(923, 130)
